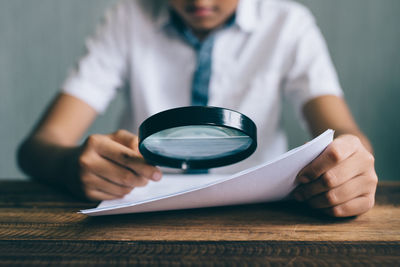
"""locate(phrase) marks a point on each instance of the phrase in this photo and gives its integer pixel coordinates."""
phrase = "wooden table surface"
(40, 226)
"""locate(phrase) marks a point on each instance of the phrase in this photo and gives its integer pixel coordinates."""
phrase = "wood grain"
(40, 226)
(35, 212)
(224, 253)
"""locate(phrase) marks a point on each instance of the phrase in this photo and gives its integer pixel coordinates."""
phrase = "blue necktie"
(202, 75)
(204, 50)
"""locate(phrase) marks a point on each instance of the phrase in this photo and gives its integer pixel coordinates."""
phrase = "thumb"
(127, 139)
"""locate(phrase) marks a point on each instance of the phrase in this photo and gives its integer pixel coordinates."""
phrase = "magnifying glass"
(197, 137)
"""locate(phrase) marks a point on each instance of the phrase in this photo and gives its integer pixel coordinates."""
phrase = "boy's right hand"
(110, 166)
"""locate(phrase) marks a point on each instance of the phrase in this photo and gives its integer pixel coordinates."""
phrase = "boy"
(236, 54)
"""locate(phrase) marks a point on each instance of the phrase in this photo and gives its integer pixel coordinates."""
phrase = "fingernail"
(157, 176)
(298, 196)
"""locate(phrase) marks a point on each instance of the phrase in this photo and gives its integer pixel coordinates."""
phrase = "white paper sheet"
(271, 181)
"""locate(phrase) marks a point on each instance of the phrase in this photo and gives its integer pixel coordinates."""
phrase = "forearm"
(49, 162)
(331, 112)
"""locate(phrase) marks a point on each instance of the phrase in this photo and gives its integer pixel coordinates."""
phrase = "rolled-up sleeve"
(102, 70)
(311, 73)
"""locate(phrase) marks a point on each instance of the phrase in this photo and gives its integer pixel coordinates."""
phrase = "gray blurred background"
(41, 39)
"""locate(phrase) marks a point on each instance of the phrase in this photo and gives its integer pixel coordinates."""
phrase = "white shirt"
(274, 50)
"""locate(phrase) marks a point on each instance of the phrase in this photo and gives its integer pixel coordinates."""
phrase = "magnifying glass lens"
(197, 142)
(197, 138)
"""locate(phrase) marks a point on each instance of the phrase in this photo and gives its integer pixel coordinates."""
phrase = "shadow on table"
(277, 213)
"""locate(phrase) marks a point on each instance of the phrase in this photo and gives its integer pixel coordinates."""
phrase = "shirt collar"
(245, 19)
(247, 15)
(162, 16)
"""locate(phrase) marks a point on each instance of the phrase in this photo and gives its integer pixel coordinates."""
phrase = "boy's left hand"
(341, 181)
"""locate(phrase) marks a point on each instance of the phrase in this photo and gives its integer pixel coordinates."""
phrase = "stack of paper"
(271, 181)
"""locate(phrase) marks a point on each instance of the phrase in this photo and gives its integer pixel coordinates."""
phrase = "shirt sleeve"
(102, 70)
(311, 73)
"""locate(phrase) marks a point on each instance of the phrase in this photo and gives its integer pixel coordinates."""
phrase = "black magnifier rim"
(197, 116)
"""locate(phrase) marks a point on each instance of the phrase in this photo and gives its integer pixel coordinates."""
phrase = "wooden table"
(39, 226)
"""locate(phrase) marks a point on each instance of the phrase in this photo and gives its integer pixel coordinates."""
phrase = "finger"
(340, 149)
(125, 157)
(354, 188)
(115, 173)
(92, 181)
(127, 139)
(338, 175)
(354, 207)
(95, 195)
